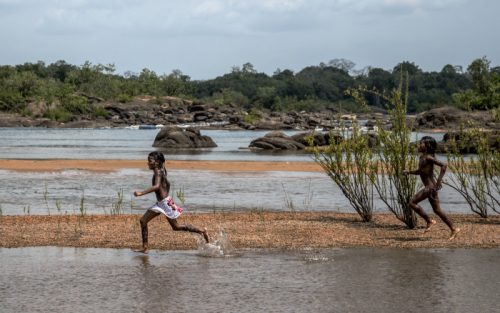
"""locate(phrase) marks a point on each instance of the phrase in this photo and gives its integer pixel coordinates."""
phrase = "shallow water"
(121, 143)
(73, 191)
(51, 279)
(204, 191)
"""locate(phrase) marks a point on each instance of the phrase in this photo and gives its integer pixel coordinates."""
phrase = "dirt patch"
(277, 230)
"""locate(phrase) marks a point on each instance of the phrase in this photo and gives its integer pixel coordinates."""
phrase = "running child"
(427, 146)
(165, 204)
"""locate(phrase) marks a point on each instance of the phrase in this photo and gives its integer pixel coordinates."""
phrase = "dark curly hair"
(157, 156)
(430, 144)
(160, 159)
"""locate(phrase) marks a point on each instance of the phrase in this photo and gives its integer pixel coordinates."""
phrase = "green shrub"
(76, 105)
(98, 111)
(58, 114)
(477, 177)
(10, 100)
(252, 116)
(348, 164)
(124, 98)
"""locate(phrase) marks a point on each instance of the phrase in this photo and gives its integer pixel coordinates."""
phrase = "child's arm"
(154, 187)
(415, 172)
(443, 167)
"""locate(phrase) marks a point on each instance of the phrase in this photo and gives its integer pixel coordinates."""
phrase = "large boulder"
(467, 143)
(173, 137)
(271, 124)
(277, 140)
(317, 138)
(440, 117)
(452, 118)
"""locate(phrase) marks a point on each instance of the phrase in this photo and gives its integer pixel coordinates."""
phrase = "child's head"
(428, 145)
(156, 159)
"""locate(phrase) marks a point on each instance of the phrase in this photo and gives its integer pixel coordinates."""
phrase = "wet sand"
(112, 165)
(258, 229)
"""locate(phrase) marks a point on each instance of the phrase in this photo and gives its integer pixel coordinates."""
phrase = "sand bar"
(112, 165)
(257, 229)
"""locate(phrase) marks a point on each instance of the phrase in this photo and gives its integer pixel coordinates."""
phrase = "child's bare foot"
(143, 250)
(429, 225)
(205, 235)
(454, 233)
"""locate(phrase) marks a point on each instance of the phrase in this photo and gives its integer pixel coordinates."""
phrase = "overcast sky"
(206, 38)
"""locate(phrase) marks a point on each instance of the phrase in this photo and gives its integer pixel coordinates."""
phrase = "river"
(51, 279)
(123, 143)
(70, 191)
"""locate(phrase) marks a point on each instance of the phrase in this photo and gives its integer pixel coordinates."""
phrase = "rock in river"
(173, 137)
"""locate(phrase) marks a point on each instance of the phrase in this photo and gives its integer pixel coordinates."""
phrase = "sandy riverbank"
(112, 165)
(283, 230)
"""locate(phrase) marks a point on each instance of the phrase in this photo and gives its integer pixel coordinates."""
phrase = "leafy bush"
(124, 98)
(98, 111)
(252, 116)
(348, 164)
(76, 105)
(58, 114)
(396, 154)
(477, 177)
(10, 100)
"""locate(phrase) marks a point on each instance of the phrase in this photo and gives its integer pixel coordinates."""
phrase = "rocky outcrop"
(147, 110)
(317, 139)
(454, 118)
(175, 111)
(173, 137)
(467, 143)
(277, 140)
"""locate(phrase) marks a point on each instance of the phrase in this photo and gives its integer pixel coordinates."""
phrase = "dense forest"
(65, 89)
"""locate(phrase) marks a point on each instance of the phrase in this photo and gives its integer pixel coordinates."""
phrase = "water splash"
(220, 246)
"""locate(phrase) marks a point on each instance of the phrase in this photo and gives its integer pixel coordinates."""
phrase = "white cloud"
(203, 37)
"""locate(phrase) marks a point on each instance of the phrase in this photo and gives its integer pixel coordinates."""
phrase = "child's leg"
(188, 228)
(421, 195)
(434, 200)
(149, 215)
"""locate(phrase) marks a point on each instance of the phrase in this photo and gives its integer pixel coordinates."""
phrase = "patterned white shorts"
(167, 207)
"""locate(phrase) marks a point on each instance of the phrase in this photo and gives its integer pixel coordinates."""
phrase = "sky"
(207, 38)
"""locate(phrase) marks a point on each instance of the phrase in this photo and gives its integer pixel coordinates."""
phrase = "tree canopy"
(60, 86)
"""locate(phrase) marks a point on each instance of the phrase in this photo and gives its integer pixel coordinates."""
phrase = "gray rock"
(173, 137)
(467, 143)
(318, 139)
(278, 140)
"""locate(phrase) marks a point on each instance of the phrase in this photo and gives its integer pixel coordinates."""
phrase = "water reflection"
(334, 280)
(156, 286)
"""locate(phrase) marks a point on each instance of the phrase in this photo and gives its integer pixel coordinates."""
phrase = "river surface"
(123, 143)
(74, 191)
(68, 191)
(75, 280)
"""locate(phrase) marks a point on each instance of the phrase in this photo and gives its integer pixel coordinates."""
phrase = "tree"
(381, 80)
(149, 82)
(485, 91)
(60, 70)
(342, 64)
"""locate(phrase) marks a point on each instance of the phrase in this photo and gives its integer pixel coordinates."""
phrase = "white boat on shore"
(145, 126)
